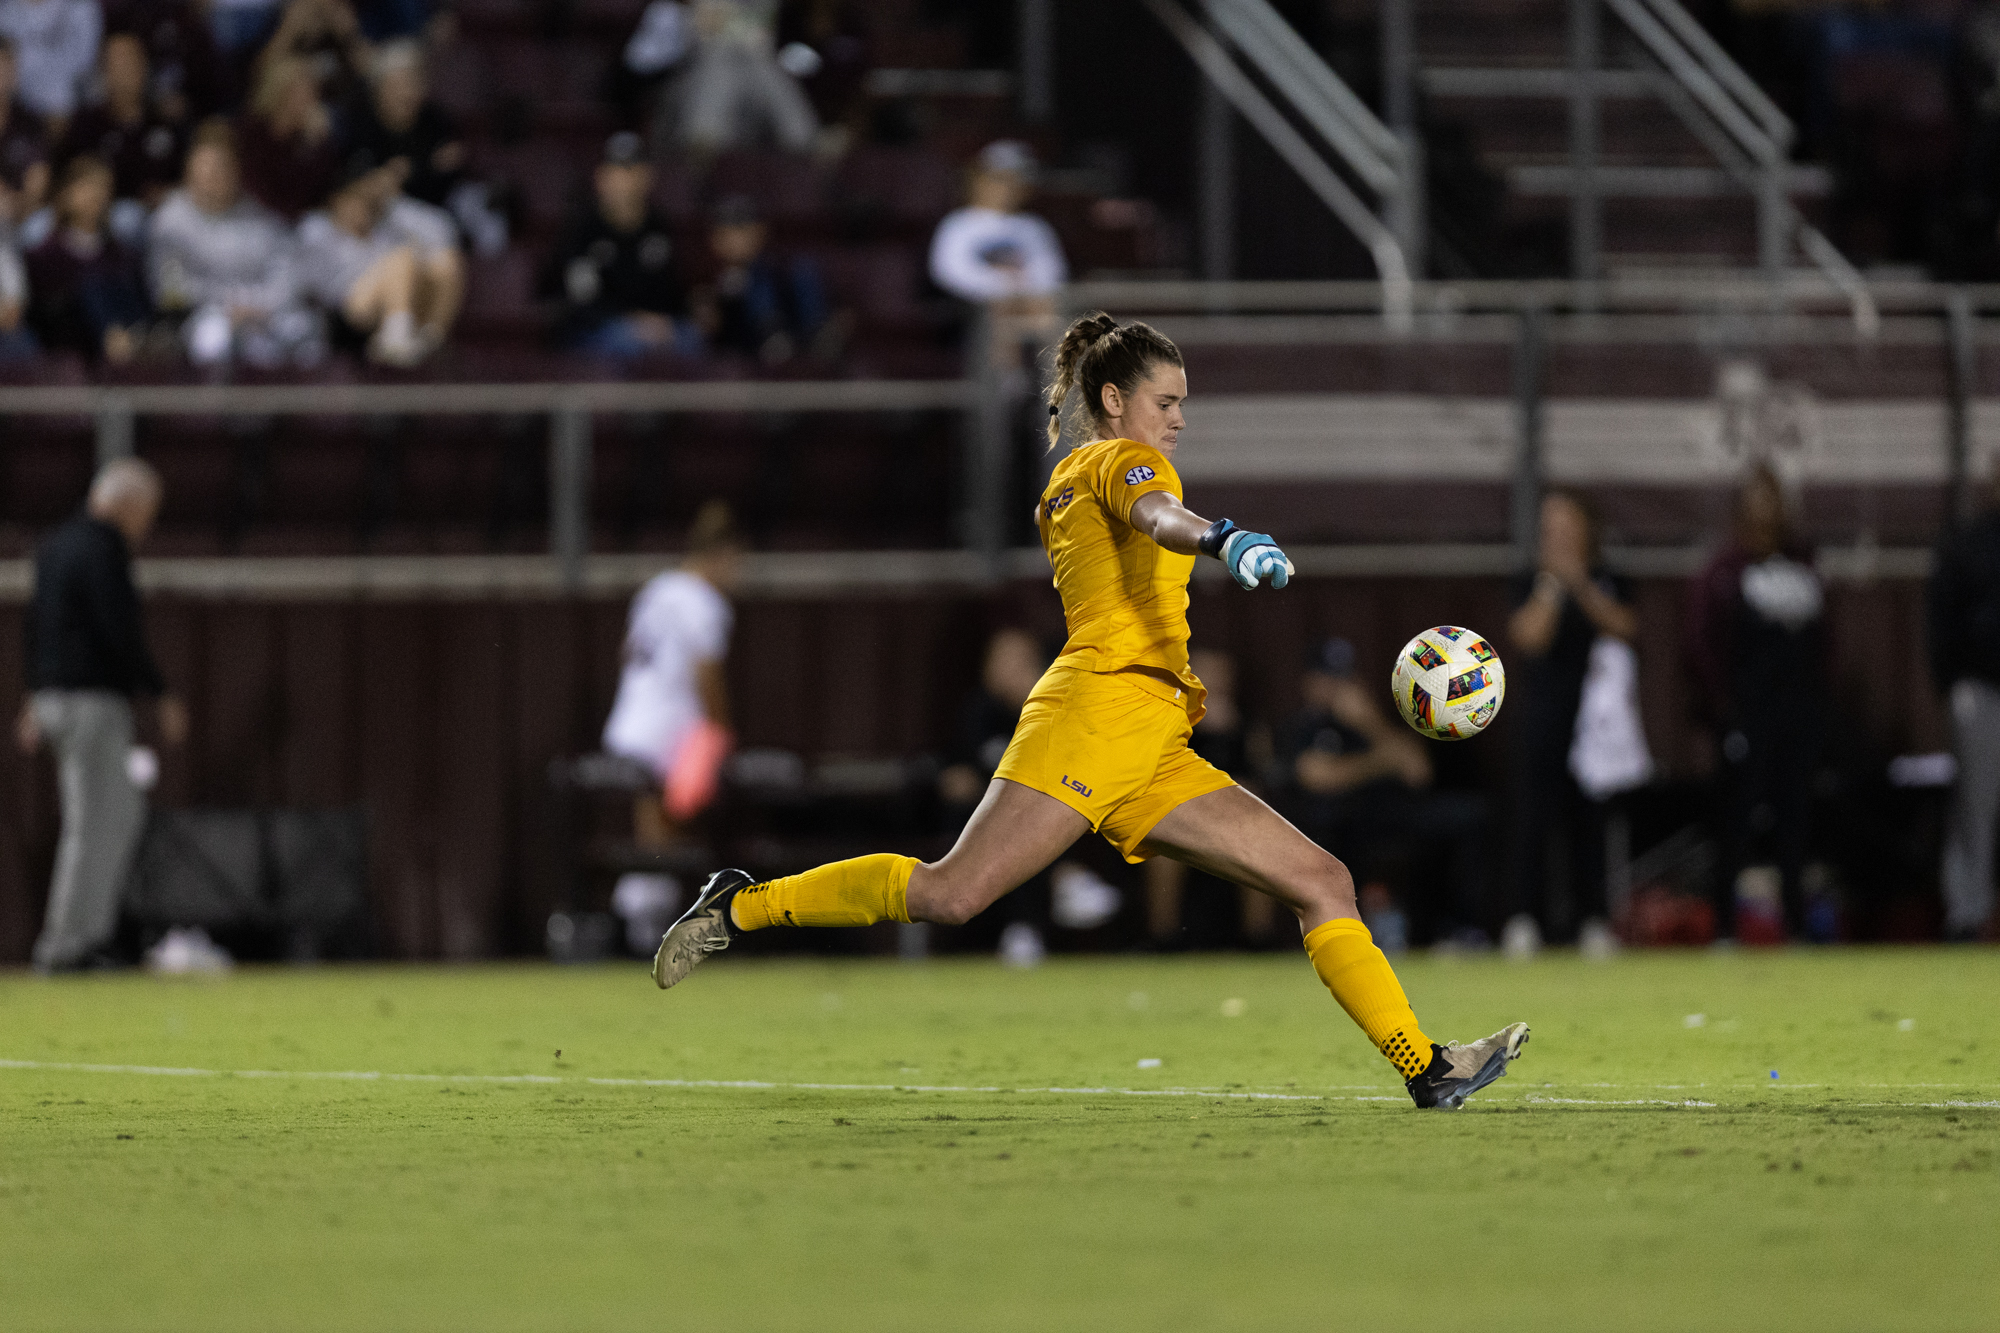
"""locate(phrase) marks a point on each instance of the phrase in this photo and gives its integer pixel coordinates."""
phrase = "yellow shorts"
(1113, 746)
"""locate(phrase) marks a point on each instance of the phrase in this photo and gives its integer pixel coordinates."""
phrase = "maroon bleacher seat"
(550, 173)
(786, 187)
(911, 186)
(500, 298)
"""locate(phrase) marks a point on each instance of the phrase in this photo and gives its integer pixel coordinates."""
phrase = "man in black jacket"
(86, 661)
(614, 267)
(1965, 663)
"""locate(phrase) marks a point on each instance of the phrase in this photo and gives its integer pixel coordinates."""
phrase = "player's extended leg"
(1233, 835)
(1015, 833)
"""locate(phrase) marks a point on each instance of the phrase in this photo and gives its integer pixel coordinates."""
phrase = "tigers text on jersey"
(1124, 595)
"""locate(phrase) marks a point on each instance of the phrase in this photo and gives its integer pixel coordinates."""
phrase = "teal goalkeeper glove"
(1250, 557)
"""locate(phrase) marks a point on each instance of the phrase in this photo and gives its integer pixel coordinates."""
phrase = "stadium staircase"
(1676, 183)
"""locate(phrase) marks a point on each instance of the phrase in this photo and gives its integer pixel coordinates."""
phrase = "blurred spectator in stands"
(614, 266)
(327, 36)
(652, 55)
(86, 662)
(242, 27)
(55, 45)
(225, 263)
(1360, 783)
(86, 292)
(399, 120)
(734, 93)
(1757, 643)
(290, 154)
(186, 74)
(757, 304)
(385, 266)
(1964, 607)
(144, 148)
(994, 254)
(825, 44)
(15, 340)
(1560, 610)
(24, 149)
(1223, 738)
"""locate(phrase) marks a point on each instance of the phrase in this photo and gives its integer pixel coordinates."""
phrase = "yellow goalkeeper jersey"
(1124, 595)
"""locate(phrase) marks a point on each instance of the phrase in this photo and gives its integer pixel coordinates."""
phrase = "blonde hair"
(1097, 350)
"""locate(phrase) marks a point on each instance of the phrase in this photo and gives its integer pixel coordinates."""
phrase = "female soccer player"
(1103, 740)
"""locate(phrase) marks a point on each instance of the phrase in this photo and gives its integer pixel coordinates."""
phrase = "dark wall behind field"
(441, 718)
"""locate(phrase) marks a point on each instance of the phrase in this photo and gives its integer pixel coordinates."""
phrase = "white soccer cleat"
(703, 929)
(1456, 1072)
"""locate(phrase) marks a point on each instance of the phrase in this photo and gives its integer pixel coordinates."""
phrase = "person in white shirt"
(55, 42)
(386, 264)
(676, 641)
(992, 251)
(996, 255)
(228, 262)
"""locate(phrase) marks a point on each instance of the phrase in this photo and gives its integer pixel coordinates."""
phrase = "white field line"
(765, 1085)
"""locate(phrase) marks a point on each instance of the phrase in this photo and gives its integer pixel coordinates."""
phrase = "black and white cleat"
(1456, 1072)
(702, 930)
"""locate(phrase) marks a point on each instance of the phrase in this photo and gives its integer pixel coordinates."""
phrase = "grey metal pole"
(1399, 108)
(1773, 218)
(116, 429)
(569, 493)
(1526, 509)
(1961, 373)
(1037, 19)
(1215, 170)
(1586, 207)
(986, 446)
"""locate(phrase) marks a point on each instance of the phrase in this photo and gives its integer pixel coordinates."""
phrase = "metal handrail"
(1759, 129)
(1391, 264)
(1319, 95)
(1725, 70)
(1692, 74)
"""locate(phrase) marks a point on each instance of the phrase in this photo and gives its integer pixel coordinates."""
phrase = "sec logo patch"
(1139, 474)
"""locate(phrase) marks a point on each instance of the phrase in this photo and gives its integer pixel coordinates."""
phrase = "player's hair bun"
(1097, 350)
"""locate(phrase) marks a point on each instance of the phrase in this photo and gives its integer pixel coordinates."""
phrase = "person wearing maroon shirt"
(289, 146)
(85, 289)
(145, 150)
(1756, 646)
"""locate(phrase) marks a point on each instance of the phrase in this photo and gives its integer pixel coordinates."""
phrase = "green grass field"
(537, 1148)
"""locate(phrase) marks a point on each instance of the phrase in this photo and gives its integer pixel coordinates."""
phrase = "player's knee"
(944, 899)
(1328, 886)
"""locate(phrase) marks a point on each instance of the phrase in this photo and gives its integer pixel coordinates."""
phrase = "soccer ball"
(1448, 683)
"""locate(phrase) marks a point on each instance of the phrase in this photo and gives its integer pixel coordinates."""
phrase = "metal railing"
(1710, 92)
(569, 408)
(1529, 317)
(1368, 148)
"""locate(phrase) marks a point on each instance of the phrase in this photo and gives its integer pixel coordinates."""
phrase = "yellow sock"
(847, 893)
(1345, 956)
